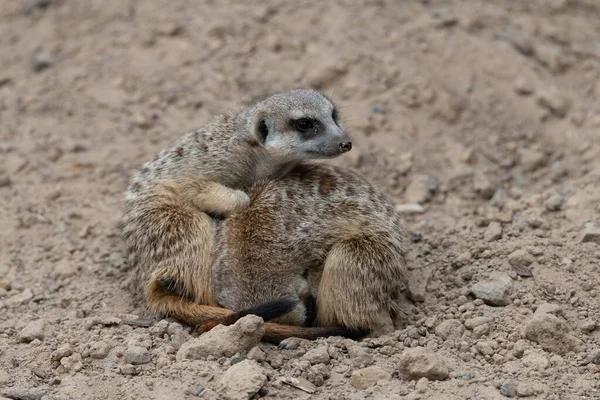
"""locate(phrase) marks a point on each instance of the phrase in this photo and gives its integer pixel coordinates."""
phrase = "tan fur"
(166, 228)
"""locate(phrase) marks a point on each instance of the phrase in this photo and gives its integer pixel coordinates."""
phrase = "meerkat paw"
(290, 343)
(239, 202)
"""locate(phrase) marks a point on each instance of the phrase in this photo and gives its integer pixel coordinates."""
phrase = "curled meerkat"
(168, 227)
(320, 231)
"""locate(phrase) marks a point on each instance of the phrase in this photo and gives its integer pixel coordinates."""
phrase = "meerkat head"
(299, 124)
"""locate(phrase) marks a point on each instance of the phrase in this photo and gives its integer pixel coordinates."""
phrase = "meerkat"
(168, 225)
(319, 231)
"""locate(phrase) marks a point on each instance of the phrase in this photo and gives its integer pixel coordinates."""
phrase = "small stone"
(4, 377)
(367, 377)
(508, 389)
(99, 350)
(520, 347)
(256, 354)
(299, 383)
(21, 393)
(483, 186)
(24, 297)
(64, 350)
(494, 293)
(536, 359)
(473, 323)
(197, 390)
(520, 257)
(587, 326)
(33, 330)
(128, 369)
(137, 355)
(224, 341)
(493, 232)
(419, 362)
(532, 160)
(316, 356)
(417, 283)
(359, 357)
(420, 190)
(592, 357)
(409, 209)
(481, 330)
(462, 259)
(64, 270)
(241, 381)
(554, 203)
(591, 233)
(451, 329)
(554, 102)
(485, 347)
(523, 86)
(5, 283)
(525, 390)
(551, 333)
(41, 59)
(73, 363)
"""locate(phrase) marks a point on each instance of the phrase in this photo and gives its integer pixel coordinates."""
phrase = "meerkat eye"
(334, 115)
(263, 131)
(304, 124)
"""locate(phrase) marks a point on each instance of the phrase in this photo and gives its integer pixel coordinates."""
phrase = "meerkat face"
(301, 124)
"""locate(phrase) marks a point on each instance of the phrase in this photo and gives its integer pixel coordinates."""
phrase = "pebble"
(592, 357)
(99, 350)
(520, 257)
(359, 357)
(41, 59)
(532, 159)
(409, 209)
(554, 203)
(33, 330)
(419, 362)
(417, 283)
(72, 363)
(587, 326)
(364, 378)
(554, 102)
(419, 190)
(494, 293)
(256, 354)
(591, 233)
(241, 381)
(551, 333)
(64, 350)
(493, 232)
(128, 369)
(508, 389)
(224, 341)
(4, 377)
(20, 298)
(483, 186)
(5, 283)
(137, 355)
(472, 323)
(536, 359)
(316, 356)
(451, 329)
(21, 393)
(421, 385)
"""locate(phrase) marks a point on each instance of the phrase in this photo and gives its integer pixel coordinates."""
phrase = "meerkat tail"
(275, 333)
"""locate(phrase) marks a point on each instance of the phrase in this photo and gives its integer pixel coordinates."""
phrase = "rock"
(483, 186)
(359, 357)
(21, 393)
(554, 202)
(409, 209)
(367, 377)
(462, 259)
(592, 357)
(128, 369)
(421, 385)
(316, 356)
(494, 293)
(5, 283)
(473, 323)
(493, 232)
(33, 330)
(525, 390)
(451, 329)
(481, 330)
(256, 354)
(99, 350)
(591, 233)
(520, 347)
(224, 341)
(73, 363)
(41, 59)
(4, 377)
(554, 102)
(20, 298)
(417, 283)
(587, 326)
(241, 381)
(64, 350)
(299, 383)
(485, 347)
(419, 362)
(531, 159)
(420, 190)
(520, 257)
(64, 270)
(508, 389)
(523, 86)
(535, 359)
(137, 355)
(551, 333)
(197, 390)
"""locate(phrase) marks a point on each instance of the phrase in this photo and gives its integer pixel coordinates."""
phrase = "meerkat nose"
(346, 146)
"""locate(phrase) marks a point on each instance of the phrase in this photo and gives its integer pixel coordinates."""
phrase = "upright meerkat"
(166, 226)
(320, 230)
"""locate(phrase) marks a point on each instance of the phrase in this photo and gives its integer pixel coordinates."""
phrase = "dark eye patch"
(304, 124)
(335, 115)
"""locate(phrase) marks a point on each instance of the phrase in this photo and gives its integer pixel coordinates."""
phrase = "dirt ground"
(485, 113)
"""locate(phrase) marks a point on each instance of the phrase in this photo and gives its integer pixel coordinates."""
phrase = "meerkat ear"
(262, 131)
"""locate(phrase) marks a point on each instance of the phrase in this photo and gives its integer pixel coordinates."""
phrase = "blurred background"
(484, 113)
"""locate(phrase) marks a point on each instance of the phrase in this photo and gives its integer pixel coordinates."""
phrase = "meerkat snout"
(346, 146)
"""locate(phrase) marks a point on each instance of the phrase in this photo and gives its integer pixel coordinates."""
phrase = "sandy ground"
(485, 113)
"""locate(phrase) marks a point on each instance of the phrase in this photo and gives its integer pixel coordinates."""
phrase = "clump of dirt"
(484, 114)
